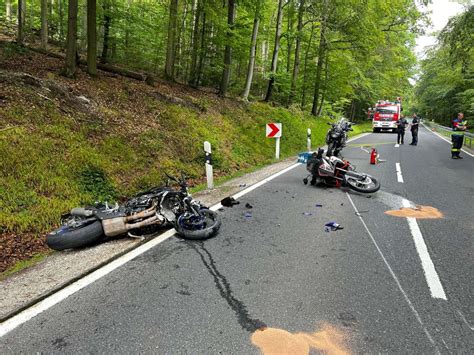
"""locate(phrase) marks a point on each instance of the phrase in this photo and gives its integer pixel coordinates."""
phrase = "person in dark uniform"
(401, 124)
(414, 129)
(457, 138)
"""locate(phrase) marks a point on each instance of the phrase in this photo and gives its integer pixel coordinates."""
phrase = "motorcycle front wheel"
(200, 227)
(362, 183)
(81, 234)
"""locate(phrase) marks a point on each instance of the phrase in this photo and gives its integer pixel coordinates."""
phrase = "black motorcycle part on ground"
(213, 223)
(68, 237)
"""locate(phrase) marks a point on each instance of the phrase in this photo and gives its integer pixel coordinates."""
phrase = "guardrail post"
(208, 164)
(309, 140)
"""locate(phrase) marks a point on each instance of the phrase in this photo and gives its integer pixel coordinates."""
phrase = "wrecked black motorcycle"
(157, 207)
(332, 171)
(336, 137)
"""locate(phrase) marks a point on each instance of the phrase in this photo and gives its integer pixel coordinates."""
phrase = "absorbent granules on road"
(279, 341)
(419, 212)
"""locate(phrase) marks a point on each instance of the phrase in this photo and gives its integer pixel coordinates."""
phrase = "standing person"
(457, 138)
(401, 124)
(414, 129)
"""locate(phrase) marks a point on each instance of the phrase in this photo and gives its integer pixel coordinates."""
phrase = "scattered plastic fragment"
(229, 202)
(332, 226)
(248, 205)
(243, 185)
(307, 214)
(248, 214)
(318, 205)
(342, 204)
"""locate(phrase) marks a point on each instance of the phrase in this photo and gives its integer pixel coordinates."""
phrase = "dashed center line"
(399, 172)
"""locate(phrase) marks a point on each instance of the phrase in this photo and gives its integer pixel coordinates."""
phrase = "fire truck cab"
(385, 115)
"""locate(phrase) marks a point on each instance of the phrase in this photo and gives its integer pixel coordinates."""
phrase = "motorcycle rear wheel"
(68, 237)
(363, 183)
(200, 227)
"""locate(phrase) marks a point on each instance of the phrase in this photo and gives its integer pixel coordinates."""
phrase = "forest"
(324, 56)
(446, 82)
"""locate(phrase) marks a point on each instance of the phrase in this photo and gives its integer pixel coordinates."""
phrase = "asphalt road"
(362, 289)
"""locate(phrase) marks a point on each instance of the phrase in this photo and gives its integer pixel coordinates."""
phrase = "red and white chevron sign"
(273, 130)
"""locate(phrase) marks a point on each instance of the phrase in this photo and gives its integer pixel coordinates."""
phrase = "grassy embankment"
(55, 156)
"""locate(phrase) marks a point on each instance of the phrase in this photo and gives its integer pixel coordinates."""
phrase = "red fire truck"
(385, 115)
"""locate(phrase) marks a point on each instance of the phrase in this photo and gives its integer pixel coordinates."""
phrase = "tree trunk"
(289, 37)
(71, 47)
(61, 21)
(228, 48)
(8, 9)
(195, 44)
(44, 23)
(306, 56)
(274, 64)
(20, 36)
(92, 37)
(202, 52)
(321, 54)
(253, 48)
(181, 42)
(296, 66)
(107, 20)
(171, 45)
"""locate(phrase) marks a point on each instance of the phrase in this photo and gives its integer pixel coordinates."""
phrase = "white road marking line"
(399, 172)
(64, 293)
(397, 145)
(447, 140)
(392, 273)
(465, 320)
(432, 278)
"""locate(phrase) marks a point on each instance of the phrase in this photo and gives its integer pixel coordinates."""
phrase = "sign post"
(273, 130)
(309, 140)
(208, 163)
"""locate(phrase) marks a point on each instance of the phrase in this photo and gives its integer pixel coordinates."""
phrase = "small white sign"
(273, 130)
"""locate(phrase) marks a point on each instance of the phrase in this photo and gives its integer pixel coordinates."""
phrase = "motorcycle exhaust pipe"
(116, 226)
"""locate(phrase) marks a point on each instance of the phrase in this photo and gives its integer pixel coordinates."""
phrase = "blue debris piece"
(303, 157)
(332, 226)
(248, 214)
(318, 205)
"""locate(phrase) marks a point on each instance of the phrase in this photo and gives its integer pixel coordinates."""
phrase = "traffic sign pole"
(277, 148)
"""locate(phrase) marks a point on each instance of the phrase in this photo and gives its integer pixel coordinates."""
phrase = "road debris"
(359, 213)
(332, 226)
(248, 214)
(318, 205)
(229, 202)
(248, 205)
(243, 185)
(307, 214)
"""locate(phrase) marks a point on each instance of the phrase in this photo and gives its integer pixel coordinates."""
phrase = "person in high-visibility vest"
(457, 138)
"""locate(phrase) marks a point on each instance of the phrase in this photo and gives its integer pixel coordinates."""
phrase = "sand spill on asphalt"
(272, 341)
(419, 212)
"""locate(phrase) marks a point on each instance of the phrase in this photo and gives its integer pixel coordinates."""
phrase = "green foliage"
(368, 57)
(446, 82)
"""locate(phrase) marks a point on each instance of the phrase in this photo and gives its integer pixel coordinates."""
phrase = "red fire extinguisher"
(373, 156)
